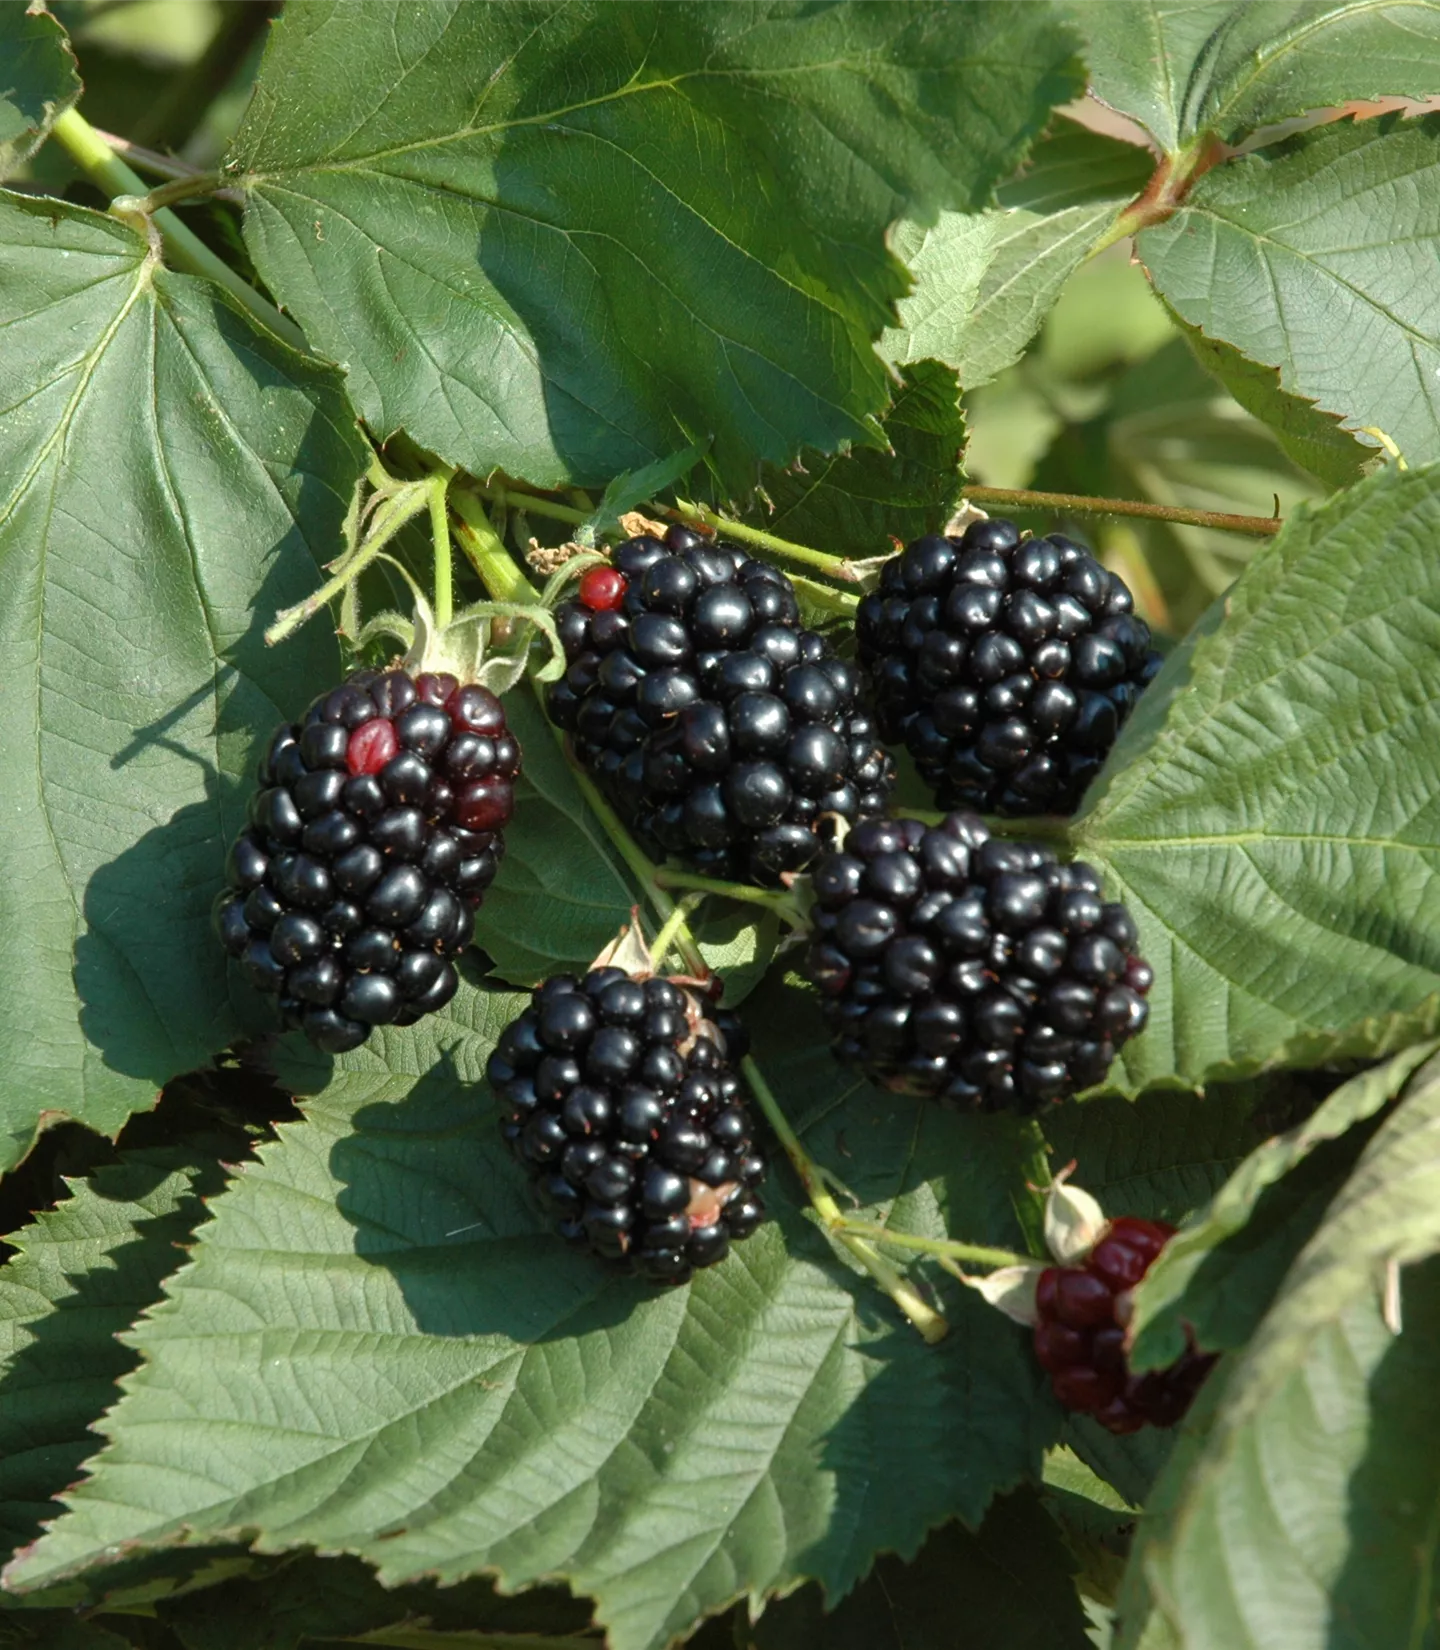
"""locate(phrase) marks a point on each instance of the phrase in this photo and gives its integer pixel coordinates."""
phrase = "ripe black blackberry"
(1081, 1312)
(1005, 665)
(721, 730)
(373, 836)
(622, 1105)
(950, 962)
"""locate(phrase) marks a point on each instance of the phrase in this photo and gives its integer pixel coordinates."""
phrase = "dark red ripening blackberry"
(373, 836)
(952, 962)
(720, 729)
(621, 1103)
(1080, 1334)
(1005, 665)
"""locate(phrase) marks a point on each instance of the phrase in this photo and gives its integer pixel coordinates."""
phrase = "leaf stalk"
(185, 250)
(1022, 498)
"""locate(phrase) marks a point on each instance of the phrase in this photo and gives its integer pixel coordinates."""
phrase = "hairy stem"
(670, 929)
(975, 1254)
(440, 537)
(186, 188)
(185, 250)
(782, 904)
(1021, 498)
(836, 566)
(932, 1325)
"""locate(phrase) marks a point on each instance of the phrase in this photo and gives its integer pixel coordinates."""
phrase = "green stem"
(976, 1254)
(533, 502)
(440, 536)
(179, 189)
(783, 905)
(1022, 498)
(670, 929)
(836, 566)
(932, 1326)
(185, 250)
(477, 537)
(392, 515)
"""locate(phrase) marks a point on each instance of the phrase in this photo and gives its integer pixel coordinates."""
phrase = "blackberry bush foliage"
(623, 1105)
(955, 963)
(652, 368)
(1006, 664)
(375, 831)
(722, 731)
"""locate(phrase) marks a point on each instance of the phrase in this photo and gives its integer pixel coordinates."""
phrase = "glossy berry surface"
(373, 835)
(620, 1101)
(721, 731)
(1080, 1334)
(955, 963)
(1005, 665)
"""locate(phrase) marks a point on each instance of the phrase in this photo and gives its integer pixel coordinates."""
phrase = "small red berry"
(371, 746)
(601, 589)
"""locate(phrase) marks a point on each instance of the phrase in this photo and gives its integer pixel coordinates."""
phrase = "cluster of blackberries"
(1080, 1334)
(1005, 665)
(951, 962)
(373, 836)
(621, 1103)
(720, 729)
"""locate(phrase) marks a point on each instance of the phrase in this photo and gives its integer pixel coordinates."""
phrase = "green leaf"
(489, 213)
(1013, 1574)
(1073, 166)
(985, 283)
(307, 1599)
(61, 1630)
(1180, 68)
(379, 1349)
(852, 505)
(1284, 898)
(1279, 58)
(172, 478)
(1299, 1507)
(1204, 1279)
(40, 82)
(84, 1272)
(1293, 256)
(1158, 1156)
(1144, 59)
(1312, 439)
(562, 893)
(637, 486)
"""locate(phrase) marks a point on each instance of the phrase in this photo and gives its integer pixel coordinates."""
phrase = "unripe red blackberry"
(1006, 665)
(955, 963)
(1080, 1334)
(720, 729)
(620, 1101)
(375, 831)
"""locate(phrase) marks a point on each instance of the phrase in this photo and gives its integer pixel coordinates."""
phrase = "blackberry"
(1080, 1334)
(721, 731)
(1005, 665)
(372, 839)
(621, 1103)
(953, 963)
